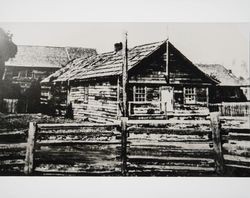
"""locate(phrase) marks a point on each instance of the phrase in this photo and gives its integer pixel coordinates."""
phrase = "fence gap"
(217, 145)
(29, 158)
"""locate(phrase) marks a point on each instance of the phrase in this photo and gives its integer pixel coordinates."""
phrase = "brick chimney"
(118, 46)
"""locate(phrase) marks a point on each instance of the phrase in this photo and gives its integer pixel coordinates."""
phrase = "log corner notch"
(217, 144)
(29, 158)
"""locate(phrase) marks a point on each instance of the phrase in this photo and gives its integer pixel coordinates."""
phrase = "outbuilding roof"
(219, 72)
(46, 56)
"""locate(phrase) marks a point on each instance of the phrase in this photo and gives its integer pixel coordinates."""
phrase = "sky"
(207, 43)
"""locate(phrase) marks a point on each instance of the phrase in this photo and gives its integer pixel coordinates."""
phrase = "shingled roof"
(47, 56)
(105, 64)
(219, 72)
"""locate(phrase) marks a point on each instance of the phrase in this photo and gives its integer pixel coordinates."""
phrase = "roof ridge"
(52, 46)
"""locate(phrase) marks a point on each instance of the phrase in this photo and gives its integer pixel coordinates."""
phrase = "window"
(201, 95)
(195, 95)
(190, 95)
(139, 93)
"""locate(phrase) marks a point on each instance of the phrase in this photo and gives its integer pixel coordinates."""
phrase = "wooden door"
(167, 99)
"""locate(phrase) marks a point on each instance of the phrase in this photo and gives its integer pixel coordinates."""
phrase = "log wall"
(100, 104)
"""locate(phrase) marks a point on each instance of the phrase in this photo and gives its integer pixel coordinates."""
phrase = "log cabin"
(162, 83)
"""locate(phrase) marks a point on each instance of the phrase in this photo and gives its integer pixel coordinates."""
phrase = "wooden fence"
(74, 149)
(235, 133)
(12, 152)
(218, 146)
(231, 108)
(171, 148)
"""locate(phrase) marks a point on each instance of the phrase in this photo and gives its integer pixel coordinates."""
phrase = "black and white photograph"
(124, 99)
(134, 98)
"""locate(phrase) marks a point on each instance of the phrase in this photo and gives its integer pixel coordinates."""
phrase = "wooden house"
(31, 65)
(156, 88)
(38, 62)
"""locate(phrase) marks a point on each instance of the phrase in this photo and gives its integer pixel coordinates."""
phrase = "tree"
(8, 49)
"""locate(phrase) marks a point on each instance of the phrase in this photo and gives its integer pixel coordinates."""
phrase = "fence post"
(29, 158)
(124, 121)
(217, 142)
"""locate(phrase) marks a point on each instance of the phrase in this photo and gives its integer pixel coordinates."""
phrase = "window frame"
(190, 95)
(142, 94)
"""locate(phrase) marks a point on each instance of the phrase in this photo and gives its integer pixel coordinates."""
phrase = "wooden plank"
(12, 162)
(171, 168)
(13, 146)
(169, 152)
(72, 142)
(124, 132)
(74, 125)
(216, 134)
(237, 160)
(165, 122)
(29, 159)
(174, 145)
(150, 130)
(145, 159)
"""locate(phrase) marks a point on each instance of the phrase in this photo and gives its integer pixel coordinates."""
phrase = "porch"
(161, 110)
